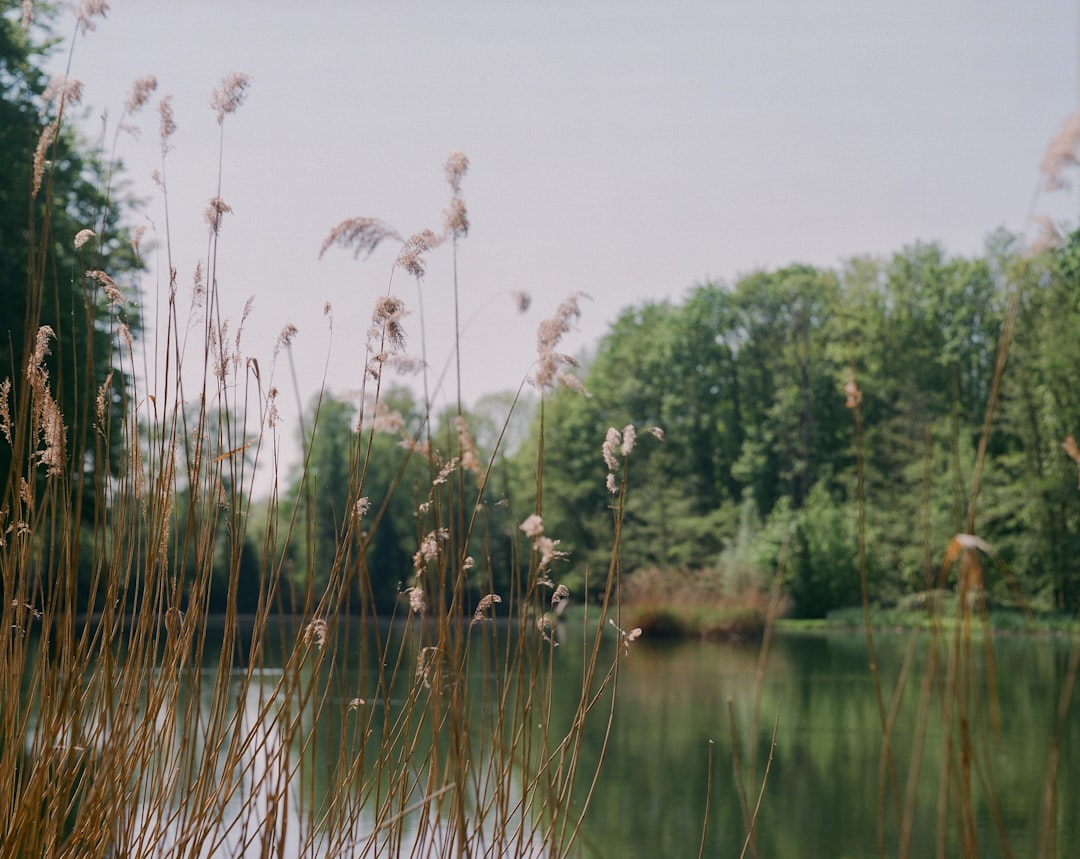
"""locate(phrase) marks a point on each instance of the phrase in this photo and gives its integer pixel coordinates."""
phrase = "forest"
(751, 385)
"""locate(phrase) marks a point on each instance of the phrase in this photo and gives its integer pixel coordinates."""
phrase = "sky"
(626, 149)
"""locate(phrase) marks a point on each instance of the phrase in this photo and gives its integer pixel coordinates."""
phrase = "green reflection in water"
(822, 797)
(823, 793)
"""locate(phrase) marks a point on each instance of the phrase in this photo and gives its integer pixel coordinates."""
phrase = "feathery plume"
(198, 285)
(470, 456)
(611, 442)
(1061, 154)
(445, 472)
(40, 151)
(87, 11)
(456, 166)
(429, 548)
(411, 257)
(82, 237)
(315, 633)
(545, 547)
(99, 403)
(562, 592)
(417, 599)
(533, 526)
(167, 124)
(112, 291)
(36, 373)
(5, 409)
(456, 218)
(54, 435)
(548, 335)
(386, 323)
(285, 338)
(213, 212)
(141, 90)
(482, 607)
(230, 95)
(271, 407)
(363, 235)
(62, 88)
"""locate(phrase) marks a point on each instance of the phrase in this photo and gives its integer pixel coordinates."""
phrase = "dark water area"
(685, 709)
(827, 792)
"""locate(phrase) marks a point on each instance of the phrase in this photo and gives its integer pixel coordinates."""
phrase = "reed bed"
(137, 721)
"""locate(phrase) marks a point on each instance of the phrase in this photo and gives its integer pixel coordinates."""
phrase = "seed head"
(214, 210)
(315, 633)
(612, 441)
(533, 526)
(168, 122)
(411, 257)
(140, 93)
(548, 335)
(480, 616)
(87, 11)
(112, 291)
(363, 235)
(457, 165)
(40, 151)
(386, 325)
(417, 600)
(230, 95)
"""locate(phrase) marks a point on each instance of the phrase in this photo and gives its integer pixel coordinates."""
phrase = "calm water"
(822, 794)
(676, 701)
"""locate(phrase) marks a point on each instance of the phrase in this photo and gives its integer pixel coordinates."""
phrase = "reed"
(136, 719)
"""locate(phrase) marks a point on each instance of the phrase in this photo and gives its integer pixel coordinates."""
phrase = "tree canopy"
(759, 463)
(66, 310)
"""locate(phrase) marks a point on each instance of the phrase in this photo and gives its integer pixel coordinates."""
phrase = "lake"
(677, 701)
(688, 741)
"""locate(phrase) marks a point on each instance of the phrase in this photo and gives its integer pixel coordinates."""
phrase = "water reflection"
(822, 796)
(311, 770)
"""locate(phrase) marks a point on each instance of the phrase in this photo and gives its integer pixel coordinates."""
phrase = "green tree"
(52, 188)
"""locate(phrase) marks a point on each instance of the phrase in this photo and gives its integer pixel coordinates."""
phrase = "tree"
(43, 277)
(58, 302)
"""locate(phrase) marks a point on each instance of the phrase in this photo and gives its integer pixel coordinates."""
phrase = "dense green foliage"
(748, 383)
(759, 467)
(55, 298)
(389, 457)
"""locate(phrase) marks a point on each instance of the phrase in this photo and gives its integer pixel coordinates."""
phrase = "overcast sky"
(627, 149)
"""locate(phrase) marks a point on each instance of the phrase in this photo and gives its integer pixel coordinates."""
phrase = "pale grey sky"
(628, 149)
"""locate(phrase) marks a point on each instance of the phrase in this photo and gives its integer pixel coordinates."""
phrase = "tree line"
(752, 384)
(937, 391)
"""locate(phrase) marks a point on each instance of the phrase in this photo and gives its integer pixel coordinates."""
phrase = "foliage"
(747, 382)
(143, 716)
(54, 186)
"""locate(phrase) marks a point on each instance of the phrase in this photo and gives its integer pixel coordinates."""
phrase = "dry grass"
(693, 603)
(139, 724)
